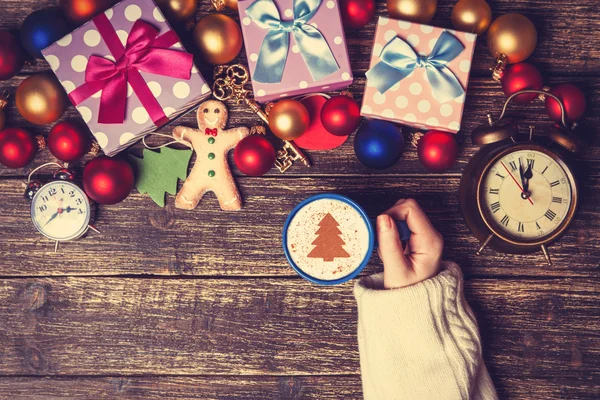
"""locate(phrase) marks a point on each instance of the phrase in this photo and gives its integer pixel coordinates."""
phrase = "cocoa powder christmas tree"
(328, 244)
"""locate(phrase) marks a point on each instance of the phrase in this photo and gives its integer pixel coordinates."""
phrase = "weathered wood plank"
(138, 237)
(547, 330)
(346, 387)
(565, 33)
(483, 96)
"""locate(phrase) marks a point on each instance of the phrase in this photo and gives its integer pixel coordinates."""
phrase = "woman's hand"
(423, 255)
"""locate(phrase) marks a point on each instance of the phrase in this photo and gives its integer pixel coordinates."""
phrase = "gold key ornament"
(230, 84)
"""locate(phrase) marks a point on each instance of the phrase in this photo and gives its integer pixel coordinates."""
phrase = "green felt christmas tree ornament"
(157, 172)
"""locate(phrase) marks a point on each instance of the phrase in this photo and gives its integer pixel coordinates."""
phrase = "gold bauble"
(178, 10)
(288, 119)
(219, 38)
(472, 16)
(512, 35)
(231, 4)
(421, 11)
(40, 99)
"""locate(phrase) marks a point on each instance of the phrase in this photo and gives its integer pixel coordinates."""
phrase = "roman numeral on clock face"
(513, 165)
(530, 163)
(538, 227)
(494, 191)
(550, 215)
(505, 220)
(521, 227)
(500, 175)
(495, 206)
(555, 183)
(558, 200)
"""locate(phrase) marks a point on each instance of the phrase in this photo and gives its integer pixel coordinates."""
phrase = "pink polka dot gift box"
(418, 75)
(127, 73)
(294, 47)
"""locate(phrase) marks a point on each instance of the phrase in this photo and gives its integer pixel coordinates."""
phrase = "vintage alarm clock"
(518, 194)
(60, 209)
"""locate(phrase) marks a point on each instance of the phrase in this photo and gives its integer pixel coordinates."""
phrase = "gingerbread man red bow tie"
(211, 132)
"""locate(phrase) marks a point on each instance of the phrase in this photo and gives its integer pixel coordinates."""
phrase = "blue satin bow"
(274, 48)
(398, 60)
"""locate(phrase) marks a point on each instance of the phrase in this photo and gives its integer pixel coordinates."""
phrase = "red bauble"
(340, 115)
(357, 13)
(254, 155)
(79, 11)
(572, 98)
(17, 147)
(108, 180)
(11, 55)
(316, 136)
(68, 142)
(437, 150)
(519, 77)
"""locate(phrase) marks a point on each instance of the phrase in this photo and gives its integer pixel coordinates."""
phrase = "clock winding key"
(230, 84)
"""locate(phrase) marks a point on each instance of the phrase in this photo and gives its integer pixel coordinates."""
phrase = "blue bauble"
(42, 28)
(378, 144)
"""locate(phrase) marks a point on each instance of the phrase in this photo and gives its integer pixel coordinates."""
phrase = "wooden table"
(202, 304)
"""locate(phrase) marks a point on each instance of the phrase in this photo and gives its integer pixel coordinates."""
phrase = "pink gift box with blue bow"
(294, 47)
(418, 75)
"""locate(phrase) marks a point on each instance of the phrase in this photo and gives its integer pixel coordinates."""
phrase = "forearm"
(420, 341)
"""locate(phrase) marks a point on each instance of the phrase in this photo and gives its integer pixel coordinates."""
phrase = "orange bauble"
(80, 11)
(288, 119)
(41, 99)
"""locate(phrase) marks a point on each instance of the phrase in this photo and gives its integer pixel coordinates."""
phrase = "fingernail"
(384, 222)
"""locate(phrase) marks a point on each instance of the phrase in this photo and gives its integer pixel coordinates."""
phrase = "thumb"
(396, 267)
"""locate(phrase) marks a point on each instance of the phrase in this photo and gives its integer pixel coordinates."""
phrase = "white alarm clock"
(60, 209)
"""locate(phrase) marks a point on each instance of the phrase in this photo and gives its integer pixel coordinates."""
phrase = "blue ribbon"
(274, 48)
(398, 60)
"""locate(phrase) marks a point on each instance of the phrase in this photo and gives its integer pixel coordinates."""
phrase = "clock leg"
(56, 246)
(484, 245)
(546, 254)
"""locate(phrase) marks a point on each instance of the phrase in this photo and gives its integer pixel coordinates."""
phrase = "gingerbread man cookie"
(211, 143)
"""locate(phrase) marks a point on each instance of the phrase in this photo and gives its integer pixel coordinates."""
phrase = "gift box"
(294, 47)
(127, 73)
(418, 75)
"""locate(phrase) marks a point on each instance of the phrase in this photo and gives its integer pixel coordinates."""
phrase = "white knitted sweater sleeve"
(420, 341)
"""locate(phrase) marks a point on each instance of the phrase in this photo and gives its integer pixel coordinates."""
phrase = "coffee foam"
(348, 243)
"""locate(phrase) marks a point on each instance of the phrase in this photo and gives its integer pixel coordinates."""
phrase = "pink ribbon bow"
(145, 51)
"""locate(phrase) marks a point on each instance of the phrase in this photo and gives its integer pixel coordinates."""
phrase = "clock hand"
(52, 217)
(527, 175)
(517, 182)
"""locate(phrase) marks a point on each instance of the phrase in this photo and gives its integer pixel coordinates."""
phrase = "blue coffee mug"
(401, 225)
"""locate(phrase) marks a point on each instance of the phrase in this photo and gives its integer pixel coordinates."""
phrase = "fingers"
(395, 265)
(410, 211)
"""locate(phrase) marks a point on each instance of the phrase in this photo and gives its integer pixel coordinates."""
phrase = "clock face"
(60, 210)
(526, 195)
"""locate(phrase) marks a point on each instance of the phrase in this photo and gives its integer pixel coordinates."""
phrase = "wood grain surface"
(201, 304)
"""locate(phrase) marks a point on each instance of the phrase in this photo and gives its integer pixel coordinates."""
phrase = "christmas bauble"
(3, 103)
(108, 180)
(472, 16)
(17, 147)
(178, 10)
(80, 11)
(11, 55)
(378, 144)
(42, 28)
(421, 11)
(288, 119)
(316, 136)
(218, 37)
(232, 4)
(357, 13)
(68, 142)
(437, 150)
(254, 155)
(512, 35)
(521, 76)
(340, 115)
(572, 98)
(41, 99)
